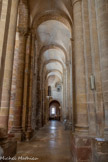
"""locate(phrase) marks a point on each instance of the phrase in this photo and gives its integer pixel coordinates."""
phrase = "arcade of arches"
(54, 66)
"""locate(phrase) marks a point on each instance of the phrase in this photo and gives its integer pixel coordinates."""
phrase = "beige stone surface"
(61, 44)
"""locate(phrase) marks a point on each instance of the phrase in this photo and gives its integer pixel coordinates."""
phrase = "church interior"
(54, 80)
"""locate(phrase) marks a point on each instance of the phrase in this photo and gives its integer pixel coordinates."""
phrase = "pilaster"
(102, 27)
(81, 114)
(29, 130)
(7, 70)
(17, 123)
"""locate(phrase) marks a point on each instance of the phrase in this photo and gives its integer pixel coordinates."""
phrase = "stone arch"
(54, 75)
(54, 104)
(54, 101)
(52, 46)
(52, 15)
(54, 70)
(53, 60)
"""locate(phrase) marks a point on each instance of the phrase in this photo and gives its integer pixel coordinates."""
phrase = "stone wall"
(13, 84)
(91, 25)
(99, 150)
(0, 7)
(102, 28)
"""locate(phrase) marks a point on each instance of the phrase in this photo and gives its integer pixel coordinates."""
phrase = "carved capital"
(22, 31)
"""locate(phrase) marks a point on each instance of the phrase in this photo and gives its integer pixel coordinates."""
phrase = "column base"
(87, 149)
(8, 148)
(3, 138)
(68, 125)
(100, 150)
(29, 135)
(106, 134)
(81, 129)
(9, 152)
(17, 134)
(81, 148)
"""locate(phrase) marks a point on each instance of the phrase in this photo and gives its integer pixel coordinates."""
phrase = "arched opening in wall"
(54, 110)
(53, 37)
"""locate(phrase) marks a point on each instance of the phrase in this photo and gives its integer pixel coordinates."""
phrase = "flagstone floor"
(50, 144)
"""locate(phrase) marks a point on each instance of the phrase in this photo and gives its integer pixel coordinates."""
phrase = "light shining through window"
(53, 111)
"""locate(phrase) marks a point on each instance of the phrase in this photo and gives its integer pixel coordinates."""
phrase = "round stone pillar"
(23, 30)
(71, 97)
(39, 106)
(17, 123)
(68, 92)
(102, 26)
(30, 90)
(26, 82)
(7, 73)
(64, 109)
(81, 116)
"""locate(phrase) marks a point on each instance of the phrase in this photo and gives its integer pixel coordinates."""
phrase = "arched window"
(53, 111)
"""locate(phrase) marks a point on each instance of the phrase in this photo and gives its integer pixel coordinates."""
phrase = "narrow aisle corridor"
(50, 144)
(53, 66)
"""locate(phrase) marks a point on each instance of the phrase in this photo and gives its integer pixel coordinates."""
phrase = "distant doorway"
(54, 110)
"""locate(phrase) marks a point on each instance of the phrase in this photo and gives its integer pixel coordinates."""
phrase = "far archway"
(54, 110)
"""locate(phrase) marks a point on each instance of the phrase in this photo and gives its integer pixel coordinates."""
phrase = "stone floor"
(50, 144)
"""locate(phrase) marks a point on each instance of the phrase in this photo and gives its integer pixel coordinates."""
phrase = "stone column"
(34, 88)
(5, 8)
(23, 30)
(73, 82)
(46, 106)
(69, 86)
(39, 110)
(17, 123)
(71, 91)
(7, 74)
(81, 116)
(30, 91)
(91, 52)
(68, 90)
(88, 68)
(26, 82)
(69, 94)
(13, 83)
(102, 26)
(64, 109)
(43, 101)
